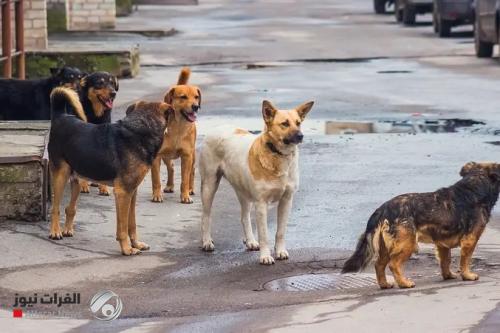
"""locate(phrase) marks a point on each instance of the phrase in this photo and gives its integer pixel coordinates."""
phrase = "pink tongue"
(109, 104)
(191, 117)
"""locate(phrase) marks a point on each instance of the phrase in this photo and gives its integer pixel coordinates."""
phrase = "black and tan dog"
(30, 99)
(119, 155)
(97, 94)
(450, 217)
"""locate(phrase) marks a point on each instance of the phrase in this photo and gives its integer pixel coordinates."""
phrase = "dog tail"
(366, 249)
(61, 98)
(184, 76)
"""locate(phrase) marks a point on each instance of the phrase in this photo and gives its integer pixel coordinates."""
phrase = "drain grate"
(312, 282)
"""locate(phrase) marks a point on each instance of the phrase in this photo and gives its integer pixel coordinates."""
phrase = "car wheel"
(409, 15)
(379, 6)
(483, 49)
(444, 28)
(398, 12)
(435, 21)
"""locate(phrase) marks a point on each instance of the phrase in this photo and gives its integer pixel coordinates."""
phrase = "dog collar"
(273, 148)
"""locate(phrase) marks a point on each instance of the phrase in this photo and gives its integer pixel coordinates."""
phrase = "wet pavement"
(357, 67)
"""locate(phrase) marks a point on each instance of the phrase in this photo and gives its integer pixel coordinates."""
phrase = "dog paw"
(104, 191)
(55, 235)
(157, 197)
(186, 200)
(449, 276)
(252, 245)
(470, 276)
(281, 254)
(406, 284)
(208, 246)
(386, 285)
(67, 232)
(191, 192)
(84, 188)
(140, 245)
(130, 251)
(266, 260)
(168, 189)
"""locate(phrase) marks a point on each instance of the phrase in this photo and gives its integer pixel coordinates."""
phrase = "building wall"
(90, 14)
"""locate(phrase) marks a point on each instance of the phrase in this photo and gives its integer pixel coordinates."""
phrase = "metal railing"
(8, 51)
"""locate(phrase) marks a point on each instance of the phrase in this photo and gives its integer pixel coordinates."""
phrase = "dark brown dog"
(450, 217)
(119, 155)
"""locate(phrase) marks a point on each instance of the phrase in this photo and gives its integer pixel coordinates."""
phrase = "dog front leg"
(123, 201)
(261, 218)
(155, 179)
(284, 208)
(186, 166)
(170, 179)
(467, 246)
(132, 228)
(191, 176)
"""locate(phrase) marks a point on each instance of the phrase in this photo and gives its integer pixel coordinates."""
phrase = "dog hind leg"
(404, 243)
(103, 190)
(250, 241)
(380, 265)
(68, 230)
(84, 186)
(59, 179)
(209, 185)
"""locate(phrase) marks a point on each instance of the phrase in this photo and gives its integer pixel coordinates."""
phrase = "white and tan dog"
(262, 170)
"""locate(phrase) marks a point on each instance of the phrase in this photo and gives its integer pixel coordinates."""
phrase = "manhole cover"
(311, 282)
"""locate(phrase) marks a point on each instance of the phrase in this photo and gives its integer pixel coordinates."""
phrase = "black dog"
(118, 155)
(30, 99)
(97, 94)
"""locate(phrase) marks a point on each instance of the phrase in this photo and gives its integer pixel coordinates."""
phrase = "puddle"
(412, 126)
(314, 282)
(395, 72)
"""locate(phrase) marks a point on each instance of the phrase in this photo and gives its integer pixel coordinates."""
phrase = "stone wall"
(90, 14)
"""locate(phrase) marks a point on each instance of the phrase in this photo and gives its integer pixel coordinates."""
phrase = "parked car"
(407, 10)
(451, 13)
(380, 6)
(486, 29)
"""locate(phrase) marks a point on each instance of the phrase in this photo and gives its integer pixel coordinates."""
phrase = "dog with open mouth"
(180, 139)
(97, 94)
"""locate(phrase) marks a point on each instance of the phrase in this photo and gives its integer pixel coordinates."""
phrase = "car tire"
(483, 49)
(379, 6)
(409, 15)
(444, 27)
(398, 13)
(435, 15)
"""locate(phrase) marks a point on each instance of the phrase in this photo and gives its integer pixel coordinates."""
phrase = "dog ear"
(467, 168)
(83, 81)
(304, 109)
(54, 71)
(199, 98)
(115, 81)
(268, 111)
(169, 96)
(131, 108)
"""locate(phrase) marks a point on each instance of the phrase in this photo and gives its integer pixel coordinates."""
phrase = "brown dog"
(449, 217)
(180, 139)
(118, 155)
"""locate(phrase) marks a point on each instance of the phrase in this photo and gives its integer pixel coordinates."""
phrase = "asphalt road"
(356, 66)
